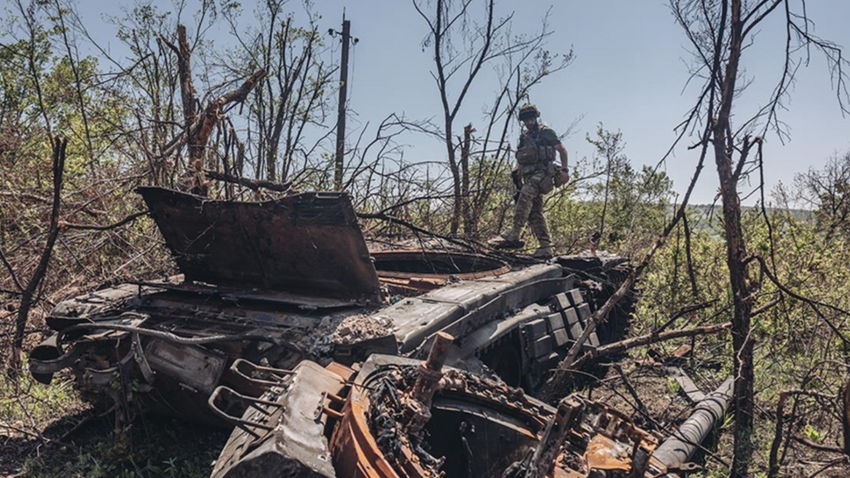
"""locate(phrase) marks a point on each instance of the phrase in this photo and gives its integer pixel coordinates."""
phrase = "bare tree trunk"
(188, 97)
(736, 251)
(470, 226)
(28, 294)
(456, 187)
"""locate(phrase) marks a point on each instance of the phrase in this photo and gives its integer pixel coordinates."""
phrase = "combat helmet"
(528, 110)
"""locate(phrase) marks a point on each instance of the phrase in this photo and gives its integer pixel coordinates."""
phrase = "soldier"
(535, 157)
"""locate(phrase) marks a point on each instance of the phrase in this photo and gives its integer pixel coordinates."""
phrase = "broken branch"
(623, 345)
(556, 382)
(95, 227)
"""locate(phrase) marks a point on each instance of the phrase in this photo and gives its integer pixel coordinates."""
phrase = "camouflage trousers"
(529, 206)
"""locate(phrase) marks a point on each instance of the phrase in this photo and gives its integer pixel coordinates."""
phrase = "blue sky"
(630, 73)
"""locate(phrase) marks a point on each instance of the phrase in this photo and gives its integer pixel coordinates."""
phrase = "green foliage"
(26, 401)
(795, 346)
(104, 457)
(827, 192)
(607, 195)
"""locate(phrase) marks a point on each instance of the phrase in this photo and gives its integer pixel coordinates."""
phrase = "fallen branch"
(641, 407)
(818, 446)
(651, 338)
(95, 227)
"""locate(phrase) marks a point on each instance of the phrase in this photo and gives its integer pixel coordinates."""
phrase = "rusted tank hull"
(477, 427)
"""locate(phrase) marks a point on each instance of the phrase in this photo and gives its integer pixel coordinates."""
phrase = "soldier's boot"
(541, 232)
(544, 252)
(522, 210)
(510, 240)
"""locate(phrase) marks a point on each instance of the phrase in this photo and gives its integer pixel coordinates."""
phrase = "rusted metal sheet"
(308, 243)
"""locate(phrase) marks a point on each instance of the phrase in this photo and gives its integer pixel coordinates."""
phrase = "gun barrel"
(681, 445)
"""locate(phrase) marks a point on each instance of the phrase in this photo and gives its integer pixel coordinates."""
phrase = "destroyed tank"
(267, 285)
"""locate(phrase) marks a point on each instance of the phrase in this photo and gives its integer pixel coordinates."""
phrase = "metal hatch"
(308, 243)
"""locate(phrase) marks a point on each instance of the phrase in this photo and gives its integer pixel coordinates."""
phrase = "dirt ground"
(153, 447)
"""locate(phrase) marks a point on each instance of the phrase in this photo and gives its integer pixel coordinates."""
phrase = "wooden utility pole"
(339, 160)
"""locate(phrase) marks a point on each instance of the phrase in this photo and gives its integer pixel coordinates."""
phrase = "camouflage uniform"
(537, 180)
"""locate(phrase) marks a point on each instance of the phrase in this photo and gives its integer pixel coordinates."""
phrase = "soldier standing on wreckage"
(537, 171)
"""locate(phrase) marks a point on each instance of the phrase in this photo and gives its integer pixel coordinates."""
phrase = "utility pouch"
(546, 184)
(549, 176)
(556, 175)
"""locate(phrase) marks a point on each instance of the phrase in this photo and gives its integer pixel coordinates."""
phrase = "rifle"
(516, 177)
